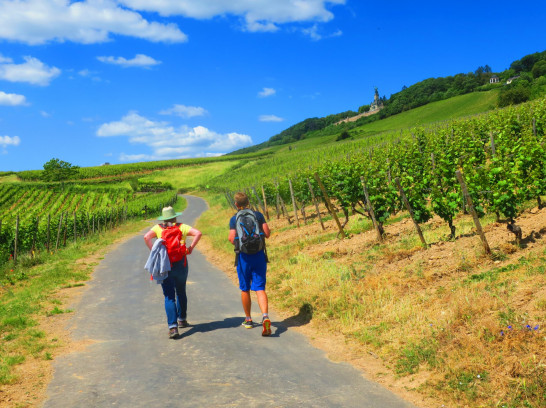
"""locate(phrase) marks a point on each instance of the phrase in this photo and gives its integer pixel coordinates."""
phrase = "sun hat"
(167, 213)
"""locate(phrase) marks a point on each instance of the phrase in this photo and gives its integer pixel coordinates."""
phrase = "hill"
(524, 80)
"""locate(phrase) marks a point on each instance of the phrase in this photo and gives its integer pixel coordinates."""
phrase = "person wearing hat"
(174, 286)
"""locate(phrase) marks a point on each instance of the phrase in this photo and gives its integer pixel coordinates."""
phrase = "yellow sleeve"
(157, 229)
(185, 229)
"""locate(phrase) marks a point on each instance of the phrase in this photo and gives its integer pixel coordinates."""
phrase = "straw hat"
(168, 213)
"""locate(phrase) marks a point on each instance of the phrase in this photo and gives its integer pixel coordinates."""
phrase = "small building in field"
(494, 79)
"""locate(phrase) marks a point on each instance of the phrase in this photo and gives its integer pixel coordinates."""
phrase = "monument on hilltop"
(377, 103)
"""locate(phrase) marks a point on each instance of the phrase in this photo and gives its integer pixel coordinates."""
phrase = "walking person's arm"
(148, 239)
(196, 234)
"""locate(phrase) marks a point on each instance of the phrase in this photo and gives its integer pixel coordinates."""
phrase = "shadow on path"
(303, 317)
(227, 323)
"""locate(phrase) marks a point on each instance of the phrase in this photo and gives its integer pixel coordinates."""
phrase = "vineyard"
(500, 158)
(43, 217)
(125, 171)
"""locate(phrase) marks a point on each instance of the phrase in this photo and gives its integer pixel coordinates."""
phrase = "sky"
(120, 81)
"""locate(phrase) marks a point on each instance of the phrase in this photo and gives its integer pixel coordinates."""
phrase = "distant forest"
(528, 81)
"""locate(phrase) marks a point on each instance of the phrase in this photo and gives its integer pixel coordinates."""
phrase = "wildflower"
(502, 333)
(536, 327)
(510, 327)
(528, 327)
(479, 376)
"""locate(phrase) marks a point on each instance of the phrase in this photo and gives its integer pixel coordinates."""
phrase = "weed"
(414, 355)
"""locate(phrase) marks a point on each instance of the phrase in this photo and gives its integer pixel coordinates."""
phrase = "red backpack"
(171, 237)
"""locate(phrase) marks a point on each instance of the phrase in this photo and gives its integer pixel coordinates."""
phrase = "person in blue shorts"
(251, 268)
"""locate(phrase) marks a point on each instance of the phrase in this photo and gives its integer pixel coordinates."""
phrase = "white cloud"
(6, 141)
(32, 71)
(89, 74)
(12, 99)
(313, 33)
(270, 118)
(257, 15)
(264, 93)
(184, 111)
(89, 21)
(167, 141)
(140, 60)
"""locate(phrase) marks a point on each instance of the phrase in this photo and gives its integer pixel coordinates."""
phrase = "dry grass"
(448, 325)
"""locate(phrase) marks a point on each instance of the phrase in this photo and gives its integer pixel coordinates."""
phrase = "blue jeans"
(174, 290)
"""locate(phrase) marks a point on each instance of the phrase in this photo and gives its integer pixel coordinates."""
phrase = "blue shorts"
(251, 270)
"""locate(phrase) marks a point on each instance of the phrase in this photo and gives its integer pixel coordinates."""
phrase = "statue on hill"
(377, 104)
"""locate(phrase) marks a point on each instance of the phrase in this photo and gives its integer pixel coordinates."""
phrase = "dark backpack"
(172, 237)
(250, 239)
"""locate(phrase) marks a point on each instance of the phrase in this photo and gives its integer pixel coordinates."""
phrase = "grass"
(453, 108)
(191, 177)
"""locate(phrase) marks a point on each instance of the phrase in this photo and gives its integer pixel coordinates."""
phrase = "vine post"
(283, 207)
(329, 205)
(370, 208)
(16, 239)
(259, 199)
(59, 231)
(294, 203)
(75, 231)
(34, 236)
(48, 231)
(316, 203)
(473, 211)
(410, 210)
(265, 204)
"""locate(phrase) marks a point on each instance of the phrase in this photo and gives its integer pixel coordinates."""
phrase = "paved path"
(215, 363)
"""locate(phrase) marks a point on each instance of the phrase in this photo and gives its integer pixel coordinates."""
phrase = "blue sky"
(123, 81)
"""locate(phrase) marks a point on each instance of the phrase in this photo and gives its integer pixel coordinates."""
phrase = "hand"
(188, 250)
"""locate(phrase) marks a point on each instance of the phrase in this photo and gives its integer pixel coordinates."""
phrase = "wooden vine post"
(283, 207)
(34, 237)
(294, 203)
(370, 208)
(16, 239)
(48, 231)
(59, 231)
(473, 211)
(265, 204)
(75, 230)
(316, 203)
(258, 198)
(329, 205)
(410, 210)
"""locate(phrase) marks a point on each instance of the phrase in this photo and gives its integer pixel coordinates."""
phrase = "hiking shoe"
(182, 324)
(266, 323)
(173, 332)
(248, 324)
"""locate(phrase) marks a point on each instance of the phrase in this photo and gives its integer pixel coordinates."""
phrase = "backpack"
(171, 236)
(249, 237)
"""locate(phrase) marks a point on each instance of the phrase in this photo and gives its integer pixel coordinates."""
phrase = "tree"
(539, 69)
(514, 95)
(58, 170)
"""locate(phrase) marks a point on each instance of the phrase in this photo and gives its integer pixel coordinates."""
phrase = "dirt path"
(129, 361)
